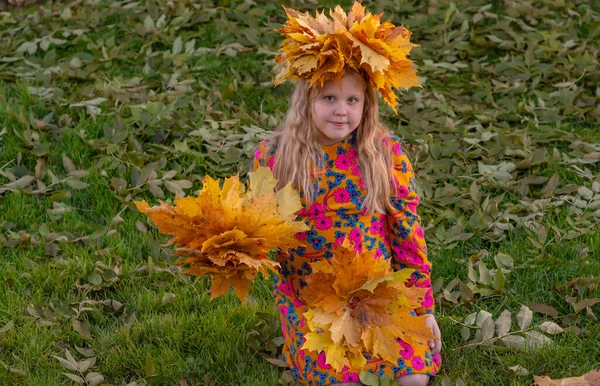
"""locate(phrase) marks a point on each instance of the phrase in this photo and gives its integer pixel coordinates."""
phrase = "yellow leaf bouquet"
(227, 231)
(357, 303)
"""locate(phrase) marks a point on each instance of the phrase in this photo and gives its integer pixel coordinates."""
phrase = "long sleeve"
(259, 157)
(407, 242)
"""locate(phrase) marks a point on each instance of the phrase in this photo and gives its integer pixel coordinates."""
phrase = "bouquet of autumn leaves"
(226, 232)
(357, 303)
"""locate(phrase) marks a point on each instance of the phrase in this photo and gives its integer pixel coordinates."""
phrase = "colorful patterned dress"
(335, 215)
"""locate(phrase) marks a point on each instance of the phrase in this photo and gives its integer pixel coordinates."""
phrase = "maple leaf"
(357, 303)
(227, 231)
(319, 49)
(338, 356)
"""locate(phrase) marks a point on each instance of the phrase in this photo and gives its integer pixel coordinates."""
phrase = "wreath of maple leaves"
(319, 49)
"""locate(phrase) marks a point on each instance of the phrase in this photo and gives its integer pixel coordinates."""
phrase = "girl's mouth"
(339, 123)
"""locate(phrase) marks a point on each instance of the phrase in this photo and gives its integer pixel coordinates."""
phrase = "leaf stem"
(491, 340)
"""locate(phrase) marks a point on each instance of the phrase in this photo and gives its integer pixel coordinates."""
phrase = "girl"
(355, 181)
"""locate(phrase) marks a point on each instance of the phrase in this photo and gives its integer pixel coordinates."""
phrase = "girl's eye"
(352, 100)
(328, 97)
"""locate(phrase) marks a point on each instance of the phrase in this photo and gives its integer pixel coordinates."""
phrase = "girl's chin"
(330, 140)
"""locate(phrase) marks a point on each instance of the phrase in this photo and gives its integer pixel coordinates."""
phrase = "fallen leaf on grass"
(551, 328)
(7, 327)
(545, 309)
(585, 303)
(519, 370)
(589, 379)
(524, 317)
(82, 329)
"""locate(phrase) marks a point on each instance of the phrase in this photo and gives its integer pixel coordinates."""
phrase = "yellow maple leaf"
(227, 230)
(357, 303)
(345, 328)
(240, 282)
(321, 341)
(288, 201)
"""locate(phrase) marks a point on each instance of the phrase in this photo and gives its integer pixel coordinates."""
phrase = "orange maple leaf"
(226, 232)
(357, 303)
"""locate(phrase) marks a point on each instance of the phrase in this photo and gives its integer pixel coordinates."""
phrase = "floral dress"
(335, 215)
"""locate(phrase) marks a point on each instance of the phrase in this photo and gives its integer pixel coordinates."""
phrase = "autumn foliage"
(226, 232)
(591, 378)
(318, 49)
(357, 304)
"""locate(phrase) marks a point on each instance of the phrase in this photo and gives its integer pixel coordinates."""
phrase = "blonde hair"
(299, 153)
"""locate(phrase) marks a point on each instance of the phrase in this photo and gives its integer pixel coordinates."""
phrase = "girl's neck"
(344, 140)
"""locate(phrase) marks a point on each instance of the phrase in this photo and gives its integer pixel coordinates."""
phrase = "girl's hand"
(434, 345)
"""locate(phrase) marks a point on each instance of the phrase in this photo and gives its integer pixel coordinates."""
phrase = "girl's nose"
(340, 109)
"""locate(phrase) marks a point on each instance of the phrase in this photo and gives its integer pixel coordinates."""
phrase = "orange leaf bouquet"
(357, 304)
(226, 232)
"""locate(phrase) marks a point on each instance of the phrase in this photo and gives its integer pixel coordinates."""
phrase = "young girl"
(356, 182)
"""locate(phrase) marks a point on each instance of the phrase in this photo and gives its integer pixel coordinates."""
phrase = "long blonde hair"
(299, 153)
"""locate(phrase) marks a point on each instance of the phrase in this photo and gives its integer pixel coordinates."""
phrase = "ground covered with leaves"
(106, 102)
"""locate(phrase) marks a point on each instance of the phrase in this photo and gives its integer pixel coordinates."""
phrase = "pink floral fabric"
(335, 215)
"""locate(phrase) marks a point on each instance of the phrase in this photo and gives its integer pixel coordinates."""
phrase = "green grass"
(156, 342)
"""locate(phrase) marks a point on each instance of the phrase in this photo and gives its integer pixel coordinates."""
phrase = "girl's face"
(336, 113)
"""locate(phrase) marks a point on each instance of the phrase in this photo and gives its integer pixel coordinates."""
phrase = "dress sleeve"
(404, 227)
(261, 158)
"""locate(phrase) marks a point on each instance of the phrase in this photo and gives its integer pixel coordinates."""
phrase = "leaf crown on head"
(319, 49)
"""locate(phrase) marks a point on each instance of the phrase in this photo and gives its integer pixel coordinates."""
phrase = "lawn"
(106, 102)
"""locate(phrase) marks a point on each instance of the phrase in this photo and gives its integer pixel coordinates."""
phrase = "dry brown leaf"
(589, 379)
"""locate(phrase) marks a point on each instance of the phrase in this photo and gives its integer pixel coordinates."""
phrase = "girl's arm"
(404, 227)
